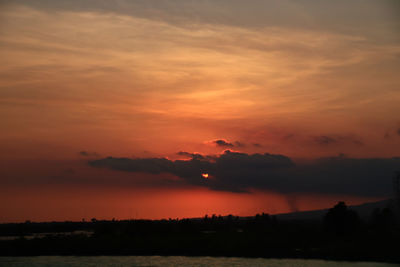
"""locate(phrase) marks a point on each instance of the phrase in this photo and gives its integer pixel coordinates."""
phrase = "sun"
(205, 175)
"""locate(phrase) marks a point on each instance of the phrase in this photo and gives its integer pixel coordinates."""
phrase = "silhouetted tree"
(340, 220)
(383, 220)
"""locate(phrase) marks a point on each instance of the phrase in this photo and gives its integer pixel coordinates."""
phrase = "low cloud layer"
(241, 172)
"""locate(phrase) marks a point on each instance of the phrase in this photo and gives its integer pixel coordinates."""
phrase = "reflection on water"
(174, 261)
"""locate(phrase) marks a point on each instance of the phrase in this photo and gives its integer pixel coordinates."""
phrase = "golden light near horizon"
(204, 175)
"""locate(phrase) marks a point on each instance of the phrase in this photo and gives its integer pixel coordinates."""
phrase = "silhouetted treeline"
(340, 235)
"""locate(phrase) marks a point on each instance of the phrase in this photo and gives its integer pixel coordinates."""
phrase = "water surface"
(174, 261)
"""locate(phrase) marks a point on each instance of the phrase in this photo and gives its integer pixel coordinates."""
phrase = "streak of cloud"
(241, 172)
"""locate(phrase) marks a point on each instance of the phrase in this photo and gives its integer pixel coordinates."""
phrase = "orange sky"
(135, 79)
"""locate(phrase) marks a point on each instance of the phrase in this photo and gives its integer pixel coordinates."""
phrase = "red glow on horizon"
(51, 203)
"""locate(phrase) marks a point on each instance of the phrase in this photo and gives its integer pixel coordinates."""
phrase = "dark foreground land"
(339, 235)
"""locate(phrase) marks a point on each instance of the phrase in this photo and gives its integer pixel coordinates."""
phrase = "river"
(174, 261)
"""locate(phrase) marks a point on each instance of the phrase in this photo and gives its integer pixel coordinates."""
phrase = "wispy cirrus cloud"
(336, 139)
(88, 154)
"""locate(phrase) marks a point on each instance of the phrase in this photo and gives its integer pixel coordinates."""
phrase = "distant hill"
(363, 210)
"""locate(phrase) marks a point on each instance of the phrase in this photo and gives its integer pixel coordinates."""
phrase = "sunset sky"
(115, 109)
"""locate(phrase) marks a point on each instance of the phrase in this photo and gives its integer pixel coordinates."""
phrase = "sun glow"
(205, 175)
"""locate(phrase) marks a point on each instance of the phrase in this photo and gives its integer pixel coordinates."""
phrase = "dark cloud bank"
(241, 172)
